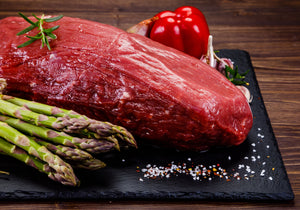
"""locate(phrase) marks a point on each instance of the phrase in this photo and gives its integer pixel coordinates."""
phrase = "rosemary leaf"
(36, 17)
(244, 74)
(26, 30)
(50, 30)
(52, 36)
(27, 43)
(35, 37)
(46, 42)
(28, 20)
(48, 20)
(234, 76)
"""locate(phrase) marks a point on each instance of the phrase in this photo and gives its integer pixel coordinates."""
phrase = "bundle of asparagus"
(54, 140)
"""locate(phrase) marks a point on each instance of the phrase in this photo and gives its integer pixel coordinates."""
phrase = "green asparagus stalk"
(13, 110)
(99, 128)
(28, 144)
(19, 154)
(75, 122)
(67, 153)
(90, 164)
(90, 145)
(76, 157)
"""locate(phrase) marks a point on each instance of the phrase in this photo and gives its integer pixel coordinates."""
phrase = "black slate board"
(254, 170)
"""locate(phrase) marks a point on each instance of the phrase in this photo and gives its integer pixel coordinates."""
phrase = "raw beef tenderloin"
(161, 95)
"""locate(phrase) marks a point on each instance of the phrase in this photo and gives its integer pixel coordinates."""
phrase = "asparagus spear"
(68, 153)
(13, 110)
(9, 149)
(74, 120)
(76, 157)
(90, 145)
(105, 128)
(64, 169)
(90, 164)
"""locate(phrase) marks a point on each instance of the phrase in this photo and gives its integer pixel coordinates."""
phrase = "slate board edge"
(171, 196)
(290, 196)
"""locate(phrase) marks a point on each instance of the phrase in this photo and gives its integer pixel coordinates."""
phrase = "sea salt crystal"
(195, 172)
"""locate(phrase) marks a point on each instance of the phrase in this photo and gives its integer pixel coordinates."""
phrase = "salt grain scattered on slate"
(262, 173)
(201, 172)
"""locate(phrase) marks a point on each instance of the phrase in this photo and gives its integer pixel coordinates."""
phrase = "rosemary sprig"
(234, 76)
(43, 33)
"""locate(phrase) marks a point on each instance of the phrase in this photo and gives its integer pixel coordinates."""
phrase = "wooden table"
(268, 30)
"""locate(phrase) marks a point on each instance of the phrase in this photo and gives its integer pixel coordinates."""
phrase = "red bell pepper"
(184, 29)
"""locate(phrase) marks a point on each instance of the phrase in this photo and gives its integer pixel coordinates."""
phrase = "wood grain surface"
(268, 29)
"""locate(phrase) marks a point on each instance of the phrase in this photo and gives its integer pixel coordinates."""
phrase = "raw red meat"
(158, 93)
